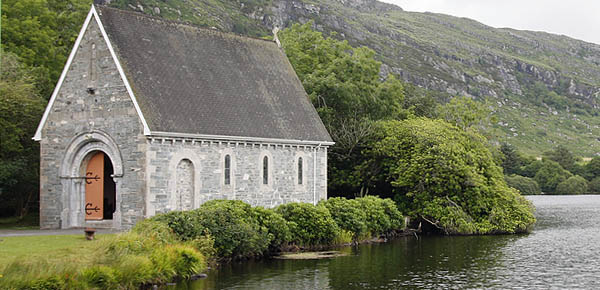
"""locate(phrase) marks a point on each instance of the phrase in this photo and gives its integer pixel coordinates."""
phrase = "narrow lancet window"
(227, 170)
(300, 170)
(266, 170)
(92, 70)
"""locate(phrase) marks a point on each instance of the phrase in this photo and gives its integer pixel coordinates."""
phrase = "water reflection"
(562, 252)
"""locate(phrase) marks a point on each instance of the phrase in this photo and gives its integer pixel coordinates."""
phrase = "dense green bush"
(184, 224)
(432, 165)
(236, 232)
(275, 224)
(310, 225)
(525, 185)
(549, 175)
(574, 185)
(232, 224)
(187, 261)
(594, 186)
(348, 215)
(382, 214)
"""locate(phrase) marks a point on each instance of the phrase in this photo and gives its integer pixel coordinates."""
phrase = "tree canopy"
(41, 34)
(20, 110)
(447, 176)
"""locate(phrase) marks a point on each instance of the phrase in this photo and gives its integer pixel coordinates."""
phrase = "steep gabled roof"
(191, 80)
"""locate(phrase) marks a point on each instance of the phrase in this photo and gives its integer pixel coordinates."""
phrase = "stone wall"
(152, 175)
(109, 112)
(208, 158)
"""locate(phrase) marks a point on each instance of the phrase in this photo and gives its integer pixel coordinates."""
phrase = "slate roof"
(200, 81)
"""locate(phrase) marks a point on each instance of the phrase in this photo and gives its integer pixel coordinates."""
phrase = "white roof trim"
(38, 133)
(239, 138)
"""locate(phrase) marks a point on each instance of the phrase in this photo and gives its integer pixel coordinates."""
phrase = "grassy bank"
(178, 245)
(112, 261)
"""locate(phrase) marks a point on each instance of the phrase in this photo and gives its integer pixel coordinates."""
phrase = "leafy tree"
(41, 33)
(525, 185)
(531, 169)
(446, 176)
(464, 112)
(574, 185)
(345, 86)
(592, 168)
(20, 111)
(512, 160)
(594, 186)
(563, 156)
(550, 175)
(342, 81)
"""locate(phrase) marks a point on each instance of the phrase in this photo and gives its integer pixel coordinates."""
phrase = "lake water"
(563, 251)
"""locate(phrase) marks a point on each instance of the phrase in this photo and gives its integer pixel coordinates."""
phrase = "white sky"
(578, 19)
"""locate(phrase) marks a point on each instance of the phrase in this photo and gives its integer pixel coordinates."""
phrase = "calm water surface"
(562, 252)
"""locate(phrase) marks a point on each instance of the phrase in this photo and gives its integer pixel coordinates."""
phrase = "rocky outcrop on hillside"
(548, 76)
(453, 55)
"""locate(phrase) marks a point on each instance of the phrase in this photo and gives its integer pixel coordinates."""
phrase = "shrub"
(594, 186)
(275, 224)
(184, 224)
(100, 276)
(205, 245)
(382, 215)
(310, 225)
(574, 185)
(130, 243)
(158, 231)
(525, 185)
(348, 215)
(343, 237)
(163, 261)
(133, 271)
(187, 262)
(236, 233)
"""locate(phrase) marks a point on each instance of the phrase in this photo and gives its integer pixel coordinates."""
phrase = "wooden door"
(94, 188)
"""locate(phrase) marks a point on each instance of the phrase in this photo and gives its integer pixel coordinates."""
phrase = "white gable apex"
(93, 14)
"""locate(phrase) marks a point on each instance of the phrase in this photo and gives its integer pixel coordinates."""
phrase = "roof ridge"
(176, 22)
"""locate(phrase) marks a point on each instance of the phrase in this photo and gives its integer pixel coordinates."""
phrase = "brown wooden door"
(94, 188)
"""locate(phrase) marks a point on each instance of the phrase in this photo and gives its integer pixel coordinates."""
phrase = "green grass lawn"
(64, 251)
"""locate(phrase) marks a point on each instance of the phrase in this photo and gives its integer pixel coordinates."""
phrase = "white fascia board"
(94, 13)
(239, 138)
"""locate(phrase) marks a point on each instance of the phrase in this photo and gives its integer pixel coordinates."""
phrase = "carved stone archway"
(71, 170)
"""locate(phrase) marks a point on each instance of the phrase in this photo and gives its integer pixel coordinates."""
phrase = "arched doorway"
(100, 188)
(74, 179)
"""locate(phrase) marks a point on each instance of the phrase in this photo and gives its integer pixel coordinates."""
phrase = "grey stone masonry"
(94, 110)
(79, 123)
(246, 182)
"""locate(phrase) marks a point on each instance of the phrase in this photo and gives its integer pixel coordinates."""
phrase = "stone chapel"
(151, 116)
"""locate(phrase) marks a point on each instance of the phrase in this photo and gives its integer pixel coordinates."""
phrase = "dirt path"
(18, 233)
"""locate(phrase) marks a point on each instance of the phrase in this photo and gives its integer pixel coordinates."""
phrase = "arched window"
(265, 170)
(227, 170)
(184, 194)
(300, 170)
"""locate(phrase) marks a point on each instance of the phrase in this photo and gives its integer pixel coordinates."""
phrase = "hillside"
(544, 88)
